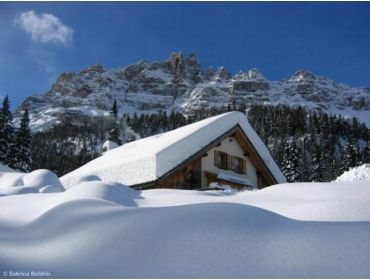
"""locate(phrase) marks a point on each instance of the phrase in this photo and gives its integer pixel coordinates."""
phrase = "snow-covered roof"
(4, 168)
(148, 159)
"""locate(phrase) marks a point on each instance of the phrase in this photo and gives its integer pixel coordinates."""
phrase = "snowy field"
(101, 229)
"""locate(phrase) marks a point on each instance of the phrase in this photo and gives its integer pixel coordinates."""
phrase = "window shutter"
(217, 159)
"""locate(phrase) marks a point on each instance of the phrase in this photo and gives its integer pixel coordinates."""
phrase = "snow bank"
(17, 190)
(99, 229)
(10, 179)
(200, 241)
(114, 231)
(40, 180)
(328, 202)
(356, 174)
(147, 159)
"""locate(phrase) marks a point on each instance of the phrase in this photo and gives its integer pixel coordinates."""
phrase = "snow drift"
(100, 229)
(40, 180)
(356, 174)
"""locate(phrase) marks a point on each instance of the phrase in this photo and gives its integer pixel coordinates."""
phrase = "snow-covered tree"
(6, 132)
(291, 169)
(366, 154)
(316, 171)
(21, 148)
(351, 156)
(114, 130)
(113, 135)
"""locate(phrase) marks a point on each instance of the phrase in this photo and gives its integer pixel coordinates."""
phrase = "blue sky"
(38, 41)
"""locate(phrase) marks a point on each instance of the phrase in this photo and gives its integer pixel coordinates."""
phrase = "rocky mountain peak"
(183, 68)
(222, 74)
(252, 75)
(180, 84)
(93, 70)
(302, 75)
(255, 74)
(210, 73)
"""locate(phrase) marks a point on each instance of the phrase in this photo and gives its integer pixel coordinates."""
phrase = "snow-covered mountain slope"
(180, 83)
(306, 230)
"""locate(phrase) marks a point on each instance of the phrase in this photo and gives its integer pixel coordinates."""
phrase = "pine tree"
(113, 110)
(21, 148)
(351, 157)
(6, 132)
(366, 154)
(113, 135)
(114, 131)
(291, 167)
(316, 172)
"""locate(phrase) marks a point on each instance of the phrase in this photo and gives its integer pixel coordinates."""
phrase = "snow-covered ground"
(102, 229)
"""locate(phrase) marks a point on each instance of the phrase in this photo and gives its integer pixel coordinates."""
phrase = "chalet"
(223, 149)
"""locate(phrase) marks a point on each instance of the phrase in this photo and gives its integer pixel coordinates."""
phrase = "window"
(238, 165)
(221, 160)
(227, 162)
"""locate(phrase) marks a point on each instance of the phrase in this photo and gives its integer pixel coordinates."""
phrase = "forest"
(306, 145)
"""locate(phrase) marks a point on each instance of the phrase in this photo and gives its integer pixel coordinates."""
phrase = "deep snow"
(356, 174)
(101, 229)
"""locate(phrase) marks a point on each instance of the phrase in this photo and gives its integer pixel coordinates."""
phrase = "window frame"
(239, 168)
(225, 161)
(221, 160)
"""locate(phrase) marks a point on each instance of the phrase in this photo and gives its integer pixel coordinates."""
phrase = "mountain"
(181, 84)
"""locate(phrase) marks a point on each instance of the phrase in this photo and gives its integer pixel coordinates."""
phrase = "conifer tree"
(291, 167)
(113, 110)
(114, 131)
(350, 156)
(6, 132)
(366, 154)
(316, 172)
(21, 148)
(113, 135)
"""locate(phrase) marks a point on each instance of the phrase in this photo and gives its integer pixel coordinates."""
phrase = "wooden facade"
(187, 177)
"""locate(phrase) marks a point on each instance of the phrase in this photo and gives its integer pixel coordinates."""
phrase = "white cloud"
(44, 28)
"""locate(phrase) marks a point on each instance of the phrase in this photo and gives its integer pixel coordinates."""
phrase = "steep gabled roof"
(148, 159)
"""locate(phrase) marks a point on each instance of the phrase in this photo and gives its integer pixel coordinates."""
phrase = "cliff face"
(179, 83)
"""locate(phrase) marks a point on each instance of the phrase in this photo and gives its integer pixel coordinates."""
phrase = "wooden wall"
(177, 179)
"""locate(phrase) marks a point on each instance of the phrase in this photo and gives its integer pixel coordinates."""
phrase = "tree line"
(309, 145)
(306, 145)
